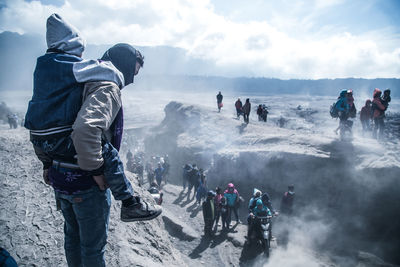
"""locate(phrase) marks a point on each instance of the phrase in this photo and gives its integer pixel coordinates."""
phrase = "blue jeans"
(86, 217)
(120, 186)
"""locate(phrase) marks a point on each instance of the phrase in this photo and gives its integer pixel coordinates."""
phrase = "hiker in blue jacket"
(159, 173)
(232, 199)
(75, 122)
(343, 108)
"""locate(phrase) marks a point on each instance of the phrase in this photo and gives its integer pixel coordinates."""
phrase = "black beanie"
(123, 57)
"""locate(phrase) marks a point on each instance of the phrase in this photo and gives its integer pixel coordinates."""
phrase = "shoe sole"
(155, 215)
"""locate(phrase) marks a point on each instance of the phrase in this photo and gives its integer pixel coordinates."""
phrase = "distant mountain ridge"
(173, 69)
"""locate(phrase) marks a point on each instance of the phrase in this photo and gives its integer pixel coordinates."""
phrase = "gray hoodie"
(63, 36)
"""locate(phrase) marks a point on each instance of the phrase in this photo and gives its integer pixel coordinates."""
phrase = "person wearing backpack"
(75, 121)
(378, 114)
(342, 108)
(366, 116)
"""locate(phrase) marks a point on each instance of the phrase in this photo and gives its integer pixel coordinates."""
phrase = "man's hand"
(46, 176)
(100, 181)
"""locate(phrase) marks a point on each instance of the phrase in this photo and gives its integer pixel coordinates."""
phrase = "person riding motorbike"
(252, 204)
(259, 210)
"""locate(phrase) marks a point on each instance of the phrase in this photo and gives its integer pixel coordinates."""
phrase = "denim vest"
(57, 96)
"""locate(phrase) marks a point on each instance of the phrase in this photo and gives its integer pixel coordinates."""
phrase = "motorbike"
(261, 232)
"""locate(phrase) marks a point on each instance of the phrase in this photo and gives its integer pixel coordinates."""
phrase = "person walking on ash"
(208, 207)
(288, 201)
(366, 116)
(232, 199)
(378, 109)
(219, 101)
(262, 113)
(246, 110)
(239, 106)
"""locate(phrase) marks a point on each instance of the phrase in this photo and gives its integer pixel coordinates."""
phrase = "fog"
(346, 192)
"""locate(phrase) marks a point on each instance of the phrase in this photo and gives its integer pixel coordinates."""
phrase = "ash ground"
(346, 192)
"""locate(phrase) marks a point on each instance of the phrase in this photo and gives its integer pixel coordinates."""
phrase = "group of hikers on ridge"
(344, 108)
(244, 110)
(372, 112)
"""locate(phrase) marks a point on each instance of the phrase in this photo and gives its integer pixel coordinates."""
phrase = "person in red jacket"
(239, 106)
(366, 116)
(378, 114)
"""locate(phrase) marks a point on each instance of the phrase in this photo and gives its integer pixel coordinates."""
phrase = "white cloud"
(257, 48)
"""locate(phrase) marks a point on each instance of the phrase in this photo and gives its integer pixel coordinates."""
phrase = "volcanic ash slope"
(32, 230)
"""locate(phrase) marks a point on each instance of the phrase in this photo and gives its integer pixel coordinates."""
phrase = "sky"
(304, 39)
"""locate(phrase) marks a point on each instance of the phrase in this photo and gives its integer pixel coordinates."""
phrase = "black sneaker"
(141, 211)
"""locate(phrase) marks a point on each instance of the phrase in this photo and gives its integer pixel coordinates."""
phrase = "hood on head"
(124, 57)
(368, 102)
(377, 92)
(255, 191)
(343, 93)
(63, 36)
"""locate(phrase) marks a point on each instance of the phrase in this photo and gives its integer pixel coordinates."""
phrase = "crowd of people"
(372, 114)
(244, 110)
(156, 168)
(222, 203)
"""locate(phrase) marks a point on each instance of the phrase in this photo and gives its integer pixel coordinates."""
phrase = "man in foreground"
(75, 122)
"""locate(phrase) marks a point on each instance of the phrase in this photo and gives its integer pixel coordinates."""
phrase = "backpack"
(334, 111)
